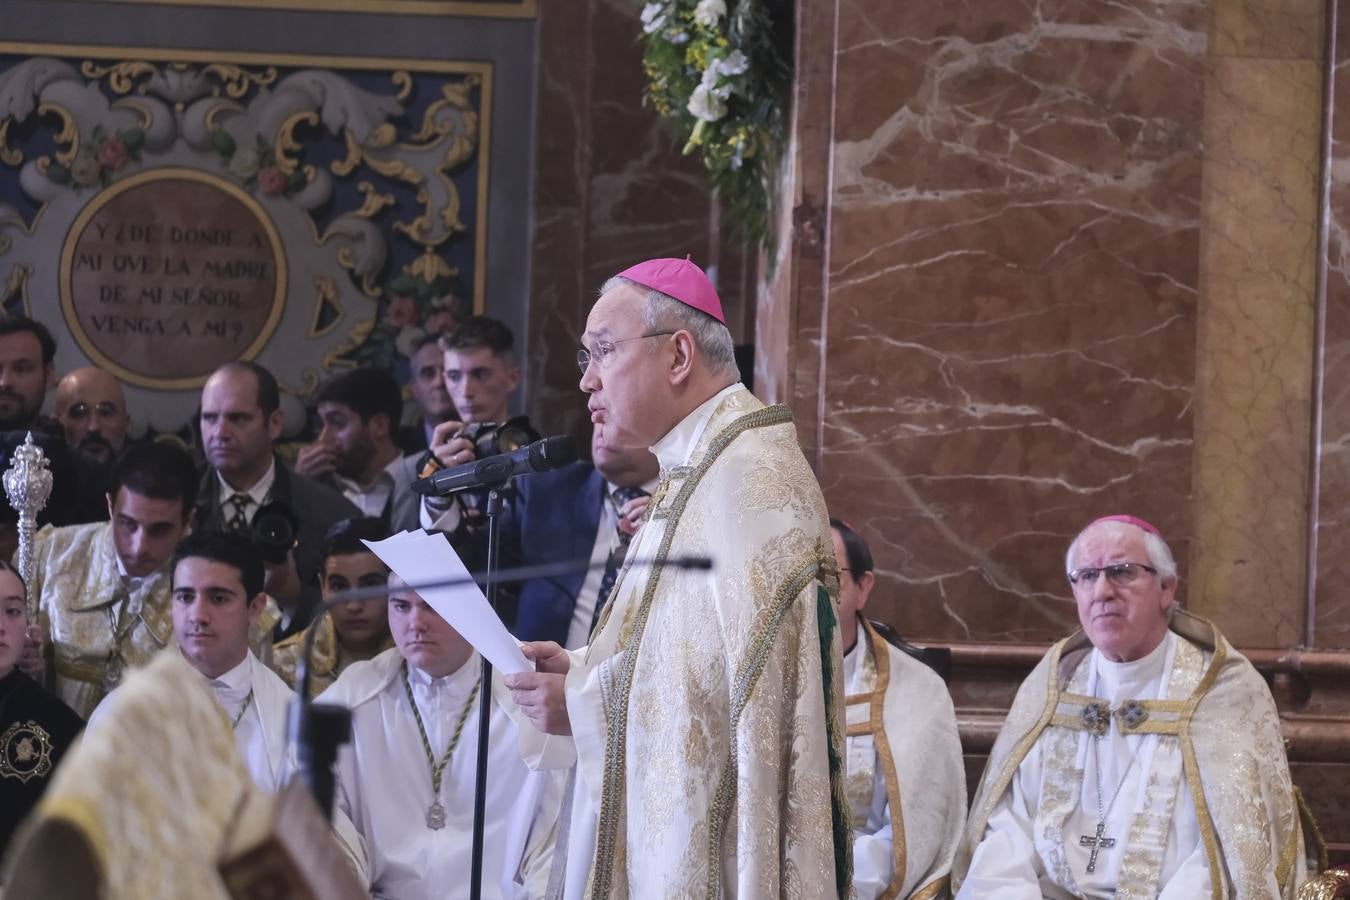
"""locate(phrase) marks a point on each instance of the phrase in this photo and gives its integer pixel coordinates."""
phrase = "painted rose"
(86, 171)
(709, 12)
(244, 163)
(113, 154)
(402, 312)
(439, 322)
(271, 182)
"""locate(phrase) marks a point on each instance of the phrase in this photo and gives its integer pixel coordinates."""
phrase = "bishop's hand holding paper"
(705, 715)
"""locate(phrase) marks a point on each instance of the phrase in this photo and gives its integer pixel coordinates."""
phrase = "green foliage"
(720, 72)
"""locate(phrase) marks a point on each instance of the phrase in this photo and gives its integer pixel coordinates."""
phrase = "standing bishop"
(705, 716)
(1141, 758)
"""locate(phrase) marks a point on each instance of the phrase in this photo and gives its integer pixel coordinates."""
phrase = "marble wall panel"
(611, 188)
(1332, 572)
(1013, 244)
(1256, 334)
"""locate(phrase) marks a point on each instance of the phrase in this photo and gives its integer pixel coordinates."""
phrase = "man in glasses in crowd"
(1141, 758)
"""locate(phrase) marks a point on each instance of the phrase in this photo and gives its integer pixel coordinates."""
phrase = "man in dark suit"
(240, 419)
(585, 510)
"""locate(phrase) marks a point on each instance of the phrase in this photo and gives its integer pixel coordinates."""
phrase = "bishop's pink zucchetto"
(681, 279)
(1129, 520)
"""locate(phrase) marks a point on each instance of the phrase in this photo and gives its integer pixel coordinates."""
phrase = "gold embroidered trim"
(1075, 723)
(1192, 766)
(90, 673)
(1319, 843)
(612, 784)
(859, 729)
(855, 699)
(882, 745)
(980, 817)
(84, 818)
(746, 678)
(932, 889)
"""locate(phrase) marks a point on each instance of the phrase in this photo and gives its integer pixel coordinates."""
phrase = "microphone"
(541, 456)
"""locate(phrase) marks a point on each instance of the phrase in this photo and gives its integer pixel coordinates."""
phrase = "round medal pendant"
(436, 816)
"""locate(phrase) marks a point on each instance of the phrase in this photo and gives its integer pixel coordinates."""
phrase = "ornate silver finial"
(28, 484)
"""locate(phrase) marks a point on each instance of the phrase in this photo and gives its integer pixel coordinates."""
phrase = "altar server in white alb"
(1141, 758)
(217, 595)
(906, 776)
(406, 781)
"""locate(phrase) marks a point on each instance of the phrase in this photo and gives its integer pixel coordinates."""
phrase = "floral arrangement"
(99, 158)
(720, 71)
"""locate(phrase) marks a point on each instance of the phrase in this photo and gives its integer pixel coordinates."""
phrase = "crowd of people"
(746, 732)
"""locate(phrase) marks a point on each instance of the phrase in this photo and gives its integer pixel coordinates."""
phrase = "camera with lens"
(275, 531)
(492, 438)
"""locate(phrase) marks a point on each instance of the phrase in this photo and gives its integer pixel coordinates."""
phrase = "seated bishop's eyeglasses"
(604, 350)
(1119, 574)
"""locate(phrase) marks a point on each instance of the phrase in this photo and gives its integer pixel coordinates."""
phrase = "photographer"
(480, 375)
(246, 490)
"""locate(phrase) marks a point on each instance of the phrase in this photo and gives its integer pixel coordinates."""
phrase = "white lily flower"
(653, 17)
(706, 105)
(709, 12)
(734, 63)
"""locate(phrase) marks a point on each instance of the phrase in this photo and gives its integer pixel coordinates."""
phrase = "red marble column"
(611, 188)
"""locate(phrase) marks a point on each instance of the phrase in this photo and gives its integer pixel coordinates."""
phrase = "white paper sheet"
(421, 558)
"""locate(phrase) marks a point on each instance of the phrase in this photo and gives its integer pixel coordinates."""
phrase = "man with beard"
(103, 588)
(92, 411)
(356, 453)
(27, 350)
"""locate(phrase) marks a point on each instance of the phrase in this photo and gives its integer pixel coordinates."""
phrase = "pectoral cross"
(1096, 842)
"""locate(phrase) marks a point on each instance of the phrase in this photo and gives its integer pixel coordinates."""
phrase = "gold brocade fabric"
(717, 779)
(1232, 752)
(84, 610)
(93, 637)
(152, 786)
(902, 730)
(328, 660)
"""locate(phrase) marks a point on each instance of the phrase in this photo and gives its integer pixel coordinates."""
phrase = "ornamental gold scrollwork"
(123, 77)
(10, 156)
(325, 296)
(355, 338)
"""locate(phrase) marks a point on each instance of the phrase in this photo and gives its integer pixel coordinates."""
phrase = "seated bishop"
(1141, 758)
(906, 779)
(406, 781)
(36, 728)
(217, 598)
(103, 589)
(350, 632)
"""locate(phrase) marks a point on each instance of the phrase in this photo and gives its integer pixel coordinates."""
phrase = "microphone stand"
(318, 730)
(493, 513)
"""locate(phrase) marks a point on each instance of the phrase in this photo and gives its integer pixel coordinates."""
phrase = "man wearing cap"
(1141, 758)
(705, 716)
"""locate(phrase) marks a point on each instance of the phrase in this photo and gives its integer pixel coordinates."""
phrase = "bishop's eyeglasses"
(603, 351)
(1119, 574)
